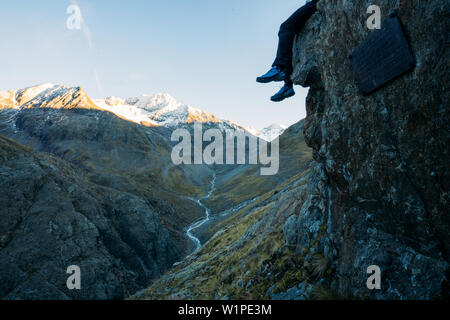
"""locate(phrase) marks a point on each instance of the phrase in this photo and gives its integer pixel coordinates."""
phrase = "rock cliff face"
(382, 161)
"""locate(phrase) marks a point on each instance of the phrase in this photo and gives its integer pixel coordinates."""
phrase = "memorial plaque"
(383, 56)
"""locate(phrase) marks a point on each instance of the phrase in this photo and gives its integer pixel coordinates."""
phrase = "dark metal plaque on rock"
(383, 56)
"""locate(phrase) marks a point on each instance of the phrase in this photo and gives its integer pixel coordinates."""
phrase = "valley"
(198, 224)
(109, 152)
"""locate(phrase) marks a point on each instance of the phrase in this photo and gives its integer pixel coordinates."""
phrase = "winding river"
(199, 223)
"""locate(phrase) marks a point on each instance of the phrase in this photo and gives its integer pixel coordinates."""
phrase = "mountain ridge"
(159, 109)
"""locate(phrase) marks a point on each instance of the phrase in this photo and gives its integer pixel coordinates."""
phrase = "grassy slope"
(238, 262)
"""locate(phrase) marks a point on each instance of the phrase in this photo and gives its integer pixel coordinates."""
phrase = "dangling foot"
(286, 91)
(274, 74)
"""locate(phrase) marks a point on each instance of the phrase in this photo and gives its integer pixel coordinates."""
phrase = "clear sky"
(206, 53)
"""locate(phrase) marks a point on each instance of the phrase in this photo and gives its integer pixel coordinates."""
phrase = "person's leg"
(287, 34)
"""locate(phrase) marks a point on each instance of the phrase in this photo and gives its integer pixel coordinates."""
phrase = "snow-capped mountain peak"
(35, 90)
(154, 102)
(46, 95)
(268, 133)
(29, 93)
(152, 110)
(271, 132)
(113, 101)
(158, 109)
(164, 110)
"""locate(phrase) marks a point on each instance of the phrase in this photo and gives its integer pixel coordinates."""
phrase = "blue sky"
(206, 53)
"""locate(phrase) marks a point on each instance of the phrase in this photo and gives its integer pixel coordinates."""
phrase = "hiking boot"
(286, 91)
(274, 74)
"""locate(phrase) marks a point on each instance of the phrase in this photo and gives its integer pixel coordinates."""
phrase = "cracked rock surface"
(382, 167)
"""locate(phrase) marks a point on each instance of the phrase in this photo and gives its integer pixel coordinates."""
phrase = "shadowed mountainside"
(53, 216)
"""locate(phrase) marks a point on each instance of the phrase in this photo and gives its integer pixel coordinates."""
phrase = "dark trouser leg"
(287, 34)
